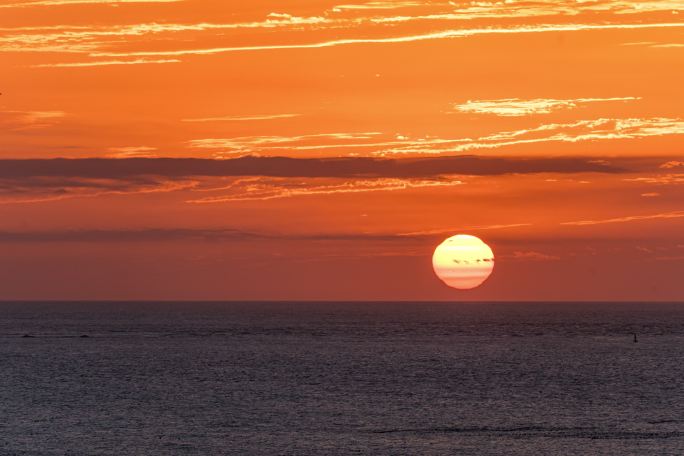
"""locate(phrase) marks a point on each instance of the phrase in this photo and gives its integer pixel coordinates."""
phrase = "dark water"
(341, 378)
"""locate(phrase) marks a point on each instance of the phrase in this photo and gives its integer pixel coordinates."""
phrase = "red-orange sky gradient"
(313, 149)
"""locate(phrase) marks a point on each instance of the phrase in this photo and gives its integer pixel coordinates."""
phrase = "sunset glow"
(322, 149)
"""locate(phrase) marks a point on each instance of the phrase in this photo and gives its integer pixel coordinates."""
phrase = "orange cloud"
(262, 189)
(243, 118)
(573, 132)
(515, 107)
(38, 3)
(672, 164)
(24, 120)
(375, 22)
(379, 144)
(447, 34)
(631, 218)
(133, 151)
(530, 256)
(105, 63)
(45, 189)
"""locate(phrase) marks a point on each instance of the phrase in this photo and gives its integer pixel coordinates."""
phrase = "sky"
(317, 150)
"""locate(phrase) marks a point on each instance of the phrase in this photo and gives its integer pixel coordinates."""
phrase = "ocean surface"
(341, 378)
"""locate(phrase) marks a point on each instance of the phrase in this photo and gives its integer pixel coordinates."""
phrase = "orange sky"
(551, 129)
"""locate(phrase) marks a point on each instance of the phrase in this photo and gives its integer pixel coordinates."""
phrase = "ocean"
(322, 378)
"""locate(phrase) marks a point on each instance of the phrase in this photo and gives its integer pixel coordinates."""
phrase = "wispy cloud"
(93, 40)
(24, 120)
(375, 22)
(516, 107)
(256, 144)
(38, 3)
(140, 235)
(379, 144)
(659, 179)
(530, 256)
(655, 44)
(446, 34)
(573, 132)
(132, 152)
(263, 189)
(49, 189)
(225, 234)
(105, 63)
(243, 118)
(80, 39)
(630, 218)
(377, 5)
(349, 16)
(672, 164)
(465, 228)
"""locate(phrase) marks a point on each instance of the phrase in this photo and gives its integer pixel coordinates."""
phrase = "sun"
(463, 261)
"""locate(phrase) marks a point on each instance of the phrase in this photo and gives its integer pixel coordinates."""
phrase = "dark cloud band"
(176, 168)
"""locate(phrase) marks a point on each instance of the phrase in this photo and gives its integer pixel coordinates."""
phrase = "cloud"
(142, 235)
(223, 234)
(672, 164)
(96, 42)
(467, 228)
(375, 22)
(263, 189)
(572, 132)
(255, 178)
(256, 144)
(105, 63)
(132, 152)
(38, 3)
(417, 245)
(530, 256)
(243, 118)
(26, 120)
(354, 17)
(662, 179)
(655, 44)
(670, 258)
(515, 107)
(630, 218)
(181, 234)
(361, 167)
(83, 39)
(48, 189)
(446, 34)
(377, 5)
(379, 144)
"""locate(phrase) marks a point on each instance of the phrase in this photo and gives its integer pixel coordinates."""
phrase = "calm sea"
(341, 378)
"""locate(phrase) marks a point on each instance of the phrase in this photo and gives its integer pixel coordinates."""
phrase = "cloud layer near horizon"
(364, 167)
(258, 178)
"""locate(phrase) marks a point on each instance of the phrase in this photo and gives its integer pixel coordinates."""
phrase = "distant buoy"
(635, 338)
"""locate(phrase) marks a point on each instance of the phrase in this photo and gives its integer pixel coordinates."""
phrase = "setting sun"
(463, 261)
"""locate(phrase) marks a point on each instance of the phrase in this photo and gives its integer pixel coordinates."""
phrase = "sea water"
(321, 378)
